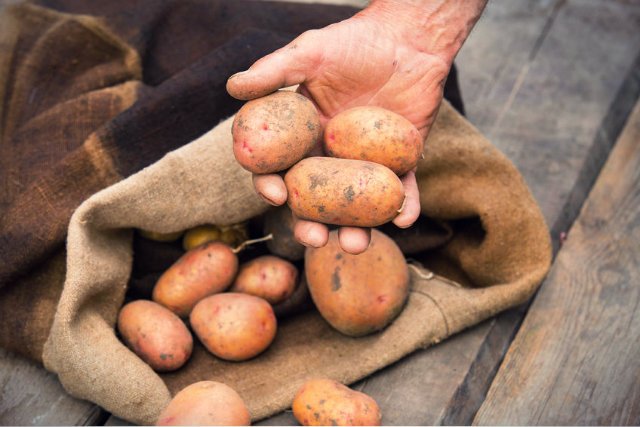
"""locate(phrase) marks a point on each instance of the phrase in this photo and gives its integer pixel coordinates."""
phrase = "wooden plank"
(31, 396)
(576, 359)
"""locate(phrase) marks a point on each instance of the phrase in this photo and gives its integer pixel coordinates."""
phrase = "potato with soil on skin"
(205, 403)
(279, 222)
(270, 134)
(155, 334)
(200, 272)
(325, 402)
(374, 134)
(160, 237)
(358, 294)
(234, 326)
(298, 302)
(268, 277)
(344, 192)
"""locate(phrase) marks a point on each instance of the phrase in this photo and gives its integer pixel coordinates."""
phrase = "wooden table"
(554, 84)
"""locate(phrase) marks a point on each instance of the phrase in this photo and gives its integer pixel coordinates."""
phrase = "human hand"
(389, 55)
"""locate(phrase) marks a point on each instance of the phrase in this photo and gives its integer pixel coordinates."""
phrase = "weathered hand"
(373, 58)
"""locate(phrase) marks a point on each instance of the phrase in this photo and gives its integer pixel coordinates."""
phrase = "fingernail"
(238, 73)
(268, 200)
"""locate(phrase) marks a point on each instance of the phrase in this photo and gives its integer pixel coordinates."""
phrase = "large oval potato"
(268, 277)
(324, 402)
(374, 134)
(344, 192)
(234, 326)
(155, 334)
(272, 133)
(358, 294)
(200, 272)
(205, 403)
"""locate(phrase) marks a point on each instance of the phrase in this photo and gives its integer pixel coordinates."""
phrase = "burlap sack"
(499, 253)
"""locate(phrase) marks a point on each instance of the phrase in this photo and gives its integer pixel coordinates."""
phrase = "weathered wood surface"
(31, 396)
(576, 358)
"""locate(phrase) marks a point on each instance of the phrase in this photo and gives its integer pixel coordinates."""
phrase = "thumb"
(287, 66)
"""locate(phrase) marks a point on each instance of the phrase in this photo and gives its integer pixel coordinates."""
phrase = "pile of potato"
(229, 305)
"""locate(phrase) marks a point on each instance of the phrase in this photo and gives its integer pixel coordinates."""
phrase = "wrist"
(436, 27)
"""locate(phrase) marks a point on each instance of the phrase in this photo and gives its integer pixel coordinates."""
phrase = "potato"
(279, 222)
(374, 134)
(234, 326)
(358, 294)
(155, 334)
(205, 403)
(200, 235)
(324, 402)
(160, 237)
(272, 133)
(268, 277)
(298, 302)
(344, 192)
(200, 272)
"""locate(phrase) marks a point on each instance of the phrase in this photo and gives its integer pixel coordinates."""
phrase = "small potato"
(155, 334)
(374, 134)
(202, 271)
(205, 403)
(234, 326)
(344, 192)
(298, 302)
(279, 222)
(324, 402)
(160, 237)
(270, 134)
(268, 277)
(200, 235)
(358, 294)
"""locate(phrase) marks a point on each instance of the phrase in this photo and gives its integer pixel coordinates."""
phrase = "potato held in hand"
(344, 192)
(324, 402)
(205, 403)
(234, 326)
(358, 294)
(155, 334)
(374, 134)
(272, 133)
(269, 277)
(202, 271)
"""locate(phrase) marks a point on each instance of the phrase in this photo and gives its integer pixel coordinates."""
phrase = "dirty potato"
(324, 402)
(269, 277)
(272, 133)
(155, 334)
(234, 326)
(358, 294)
(205, 403)
(374, 134)
(279, 222)
(202, 271)
(344, 192)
